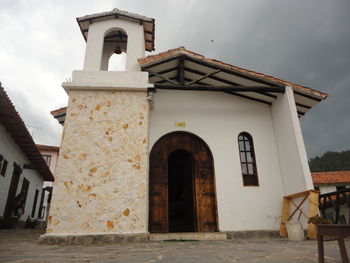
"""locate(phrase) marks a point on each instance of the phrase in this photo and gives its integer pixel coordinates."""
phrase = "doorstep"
(195, 236)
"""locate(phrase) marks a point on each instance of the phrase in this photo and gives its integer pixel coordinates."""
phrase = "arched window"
(248, 163)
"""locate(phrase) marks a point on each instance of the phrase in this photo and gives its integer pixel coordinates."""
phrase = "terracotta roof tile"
(59, 111)
(147, 22)
(331, 177)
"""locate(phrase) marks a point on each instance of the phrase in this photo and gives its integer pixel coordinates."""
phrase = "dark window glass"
(24, 190)
(3, 167)
(340, 187)
(1, 158)
(34, 203)
(247, 155)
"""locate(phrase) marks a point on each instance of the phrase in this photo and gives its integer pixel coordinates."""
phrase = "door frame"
(195, 144)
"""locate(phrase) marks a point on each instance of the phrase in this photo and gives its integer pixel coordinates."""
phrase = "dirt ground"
(20, 245)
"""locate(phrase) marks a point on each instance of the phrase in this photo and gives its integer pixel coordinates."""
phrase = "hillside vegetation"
(331, 161)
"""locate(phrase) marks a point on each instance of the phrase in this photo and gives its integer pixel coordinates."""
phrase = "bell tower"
(125, 32)
(102, 173)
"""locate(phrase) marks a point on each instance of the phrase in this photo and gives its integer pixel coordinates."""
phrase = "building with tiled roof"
(331, 181)
(22, 168)
(175, 143)
(334, 188)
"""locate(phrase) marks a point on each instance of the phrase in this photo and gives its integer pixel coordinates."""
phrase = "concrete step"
(187, 236)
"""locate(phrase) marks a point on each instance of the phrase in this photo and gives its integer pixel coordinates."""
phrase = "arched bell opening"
(114, 50)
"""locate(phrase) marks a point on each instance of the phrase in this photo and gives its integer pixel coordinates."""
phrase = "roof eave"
(23, 139)
(181, 51)
(123, 14)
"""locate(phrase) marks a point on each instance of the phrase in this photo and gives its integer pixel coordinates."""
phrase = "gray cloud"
(306, 42)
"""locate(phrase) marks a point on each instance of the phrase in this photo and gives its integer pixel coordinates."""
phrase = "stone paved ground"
(20, 245)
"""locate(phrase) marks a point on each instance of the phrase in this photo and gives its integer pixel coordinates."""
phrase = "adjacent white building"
(175, 143)
(22, 169)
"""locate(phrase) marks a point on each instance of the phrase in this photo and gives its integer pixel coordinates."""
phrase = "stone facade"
(102, 173)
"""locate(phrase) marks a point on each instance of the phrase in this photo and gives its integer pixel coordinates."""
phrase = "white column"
(290, 144)
(94, 48)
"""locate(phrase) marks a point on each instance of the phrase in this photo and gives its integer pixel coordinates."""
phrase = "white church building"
(175, 143)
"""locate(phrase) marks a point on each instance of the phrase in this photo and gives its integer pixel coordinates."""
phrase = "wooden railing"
(334, 201)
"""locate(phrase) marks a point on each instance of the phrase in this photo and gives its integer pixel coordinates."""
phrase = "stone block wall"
(101, 179)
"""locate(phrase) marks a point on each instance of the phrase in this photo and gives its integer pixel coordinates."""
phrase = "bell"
(118, 50)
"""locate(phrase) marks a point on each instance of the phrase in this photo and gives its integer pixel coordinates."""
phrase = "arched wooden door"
(204, 182)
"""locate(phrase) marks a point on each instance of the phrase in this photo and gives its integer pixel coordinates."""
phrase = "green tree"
(331, 161)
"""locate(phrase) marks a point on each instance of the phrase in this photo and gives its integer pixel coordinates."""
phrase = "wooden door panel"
(206, 203)
(158, 194)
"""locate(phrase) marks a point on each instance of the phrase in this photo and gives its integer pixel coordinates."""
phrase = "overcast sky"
(302, 41)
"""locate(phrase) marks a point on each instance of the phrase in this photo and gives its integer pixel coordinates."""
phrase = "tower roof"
(147, 22)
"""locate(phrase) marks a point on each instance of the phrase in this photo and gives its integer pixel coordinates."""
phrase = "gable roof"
(147, 22)
(265, 79)
(195, 66)
(15, 126)
(338, 177)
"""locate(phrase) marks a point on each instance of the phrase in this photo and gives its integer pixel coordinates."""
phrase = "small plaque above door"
(180, 124)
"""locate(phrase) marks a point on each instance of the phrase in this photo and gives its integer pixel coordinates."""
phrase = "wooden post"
(285, 216)
(337, 207)
(313, 211)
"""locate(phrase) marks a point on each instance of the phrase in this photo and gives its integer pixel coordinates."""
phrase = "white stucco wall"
(291, 149)
(12, 153)
(327, 189)
(218, 118)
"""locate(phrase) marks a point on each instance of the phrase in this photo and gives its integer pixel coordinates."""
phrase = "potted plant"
(319, 220)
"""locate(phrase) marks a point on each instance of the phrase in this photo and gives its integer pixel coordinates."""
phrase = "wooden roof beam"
(249, 98)
(226, 81)
(222, 88)
(307, 96)
(235, 73)
(186, 79)
(204, 77)
(167, 70)
(163, 78)
(181, 71)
